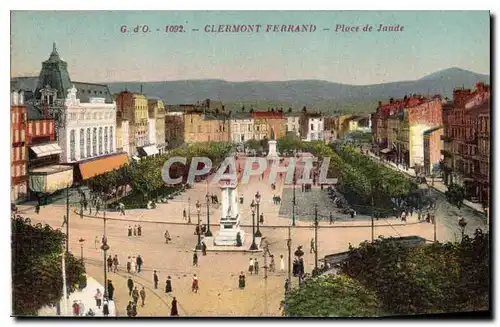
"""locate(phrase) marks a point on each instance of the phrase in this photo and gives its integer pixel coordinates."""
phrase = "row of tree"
(386, 278)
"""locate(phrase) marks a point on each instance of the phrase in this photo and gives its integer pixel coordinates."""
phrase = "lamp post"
(257, 201)
(208, 233)
(252, 207)
(198, 210)
(81, 240)
(462, 223)
(189, 210)
(294, 202)
(105, 247)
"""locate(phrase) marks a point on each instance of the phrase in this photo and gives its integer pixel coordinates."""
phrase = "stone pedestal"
(273, 154)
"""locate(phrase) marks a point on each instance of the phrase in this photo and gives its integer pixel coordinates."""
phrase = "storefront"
(49, 179)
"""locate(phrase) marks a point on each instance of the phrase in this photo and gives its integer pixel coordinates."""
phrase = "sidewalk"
(86, 296)
(438, 185)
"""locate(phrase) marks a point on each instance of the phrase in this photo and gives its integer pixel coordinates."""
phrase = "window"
(88, 143)
(94, 141)
(111, 138)
(37, 128)
(72, 145)
(106, 139)
(82, 143)
(312, 127)
(100, 140)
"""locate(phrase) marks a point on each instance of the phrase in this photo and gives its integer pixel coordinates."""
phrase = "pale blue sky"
(96, 51)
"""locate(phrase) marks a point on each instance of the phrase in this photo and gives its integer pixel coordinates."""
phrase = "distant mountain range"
(315, 94)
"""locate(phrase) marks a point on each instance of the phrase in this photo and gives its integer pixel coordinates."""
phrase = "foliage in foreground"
(37, 267)
(331, 296)
(434, 278)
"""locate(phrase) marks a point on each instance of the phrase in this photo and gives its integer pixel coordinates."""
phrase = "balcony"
(446, 138)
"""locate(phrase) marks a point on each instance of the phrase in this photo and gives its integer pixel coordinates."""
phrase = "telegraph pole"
(289, 244)
(316, 237)
(67, 219)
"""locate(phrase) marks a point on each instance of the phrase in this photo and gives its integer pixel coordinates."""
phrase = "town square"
(163, 199)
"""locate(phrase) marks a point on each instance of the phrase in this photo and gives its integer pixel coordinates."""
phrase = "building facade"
(312, 126)
(174, 127)
(467, 142)
(293, 123)
(122, 134)
(156, 109)
(18, 158)
(266, 122)
(432, 149)
(242, 127)
(134, 108)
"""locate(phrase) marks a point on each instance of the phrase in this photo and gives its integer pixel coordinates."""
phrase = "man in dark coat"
(168, 285)
(135, 295)
(155, 279)
(139, 262)
(130, 284)
(173, 310)
(129, 309)
(111, 290)
(139, 230)
(110, 263)
(129, 230)
(195, 259)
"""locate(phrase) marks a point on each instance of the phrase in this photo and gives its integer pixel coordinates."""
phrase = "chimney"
(141, 88)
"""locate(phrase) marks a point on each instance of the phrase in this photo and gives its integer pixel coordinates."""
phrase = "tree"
(331, 296)
(455, 195)
(37, 267)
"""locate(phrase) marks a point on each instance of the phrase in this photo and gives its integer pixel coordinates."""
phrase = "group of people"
(134, 265)
(168, 290)
(136, 231)
(277, 199)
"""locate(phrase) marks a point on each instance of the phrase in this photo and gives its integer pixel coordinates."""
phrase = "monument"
(230, 215)
(272, 154)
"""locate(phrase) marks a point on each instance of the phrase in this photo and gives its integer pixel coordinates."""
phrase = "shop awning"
(100, 166)
(386, 150)
(46, 149)
(149, 150)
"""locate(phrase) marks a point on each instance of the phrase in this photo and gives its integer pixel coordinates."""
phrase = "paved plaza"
(218, 272)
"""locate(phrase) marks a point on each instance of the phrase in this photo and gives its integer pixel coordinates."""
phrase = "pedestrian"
(134, 309)
(129, 309)
(135, 230)
(85, 204)
(155, 279)
(76, 308)
(241, 198)
(135, 295)
(139, 263)
(168, 285)
(419, 215)
(110, 263)
(241, 281)
(195, 259)
(129, 265)
(81, 308)
(331, 218)
(129, 230)
(194, 285)
(250, 266)
(81, 215)
(272, 265)
(184, 214)
(261, 220)
(203, 248)
(167, 236)
(37, 208)
(287, 285)
(256, 267)
(97, 207)
(173, 310)
(139, 230)
(96, 242)
(122, 208)
(312, 246)
(133, 266)
(105, 308)
(403, 216)
(115, 263)
(130, 284)
(351, 212)
(143, 296)
(98, 298)
(282, 263)
(111, 290)
(90, 313)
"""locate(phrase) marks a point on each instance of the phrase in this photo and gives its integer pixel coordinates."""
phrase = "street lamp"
(208, 233)
(252, 207)
(257, 201)
(462, 223)
(294, 202)
(81, 240)
(105, 247)
(198, 210)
